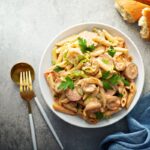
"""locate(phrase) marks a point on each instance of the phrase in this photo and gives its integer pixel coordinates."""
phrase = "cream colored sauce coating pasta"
(92, 75)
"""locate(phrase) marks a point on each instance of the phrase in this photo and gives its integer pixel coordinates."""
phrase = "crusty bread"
(144, 22)
(144, 1)
(130, 10)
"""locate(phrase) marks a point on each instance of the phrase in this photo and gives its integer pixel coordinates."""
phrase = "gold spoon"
(21, 67)
(15, 76)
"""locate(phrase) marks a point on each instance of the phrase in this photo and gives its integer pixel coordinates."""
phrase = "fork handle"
(32, 131)
(48, 122)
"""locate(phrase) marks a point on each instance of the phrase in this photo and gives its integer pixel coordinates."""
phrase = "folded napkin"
(138, 137)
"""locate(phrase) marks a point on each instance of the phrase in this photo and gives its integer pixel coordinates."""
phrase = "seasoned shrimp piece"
(91, 80)
(91, 67)
(113, 102)
(73, 55)
(90, 99)
(111, 92)
(106, 62)
(131, 71)
(92, 107)
(90, 111)
(88, 36)
(89, 88)
(73, 95)
(90, 85)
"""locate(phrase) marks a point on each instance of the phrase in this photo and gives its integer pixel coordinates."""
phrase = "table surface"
(26, 27)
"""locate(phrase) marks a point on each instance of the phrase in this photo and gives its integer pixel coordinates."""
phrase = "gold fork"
(27, 94)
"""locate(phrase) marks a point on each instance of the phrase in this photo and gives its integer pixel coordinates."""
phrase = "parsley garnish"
(126, 82)
(83, 45)
(99, 115)
(106, 85)
(58, 68)
(113, 80)
(111, 51)
(105, 75)
(68, 83)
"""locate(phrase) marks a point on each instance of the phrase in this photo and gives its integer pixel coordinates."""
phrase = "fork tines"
(25, 81)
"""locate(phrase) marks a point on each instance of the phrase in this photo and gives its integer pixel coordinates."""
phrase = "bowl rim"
(82, 24)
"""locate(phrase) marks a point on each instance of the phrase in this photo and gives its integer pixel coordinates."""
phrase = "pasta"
(92, 75)
(132, 90)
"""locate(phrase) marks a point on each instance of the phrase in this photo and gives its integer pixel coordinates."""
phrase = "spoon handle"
(32, 131)
(48, 122)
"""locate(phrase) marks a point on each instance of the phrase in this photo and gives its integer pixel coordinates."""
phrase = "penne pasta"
(123, 101)
(131, 94)
(62, 109)
(109, 37)
(99, 32)
(125, 93)
(54, 55)
(120, 49)
(132, 87)
(102, 41)
(50, 81)
(60, 58)
(97, 53)
(70, 107)
(130, 99)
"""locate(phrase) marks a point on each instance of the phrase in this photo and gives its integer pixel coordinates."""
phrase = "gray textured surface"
(26, 27)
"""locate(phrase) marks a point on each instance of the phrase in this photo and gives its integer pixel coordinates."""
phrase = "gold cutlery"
(29, 76)
(27, 94)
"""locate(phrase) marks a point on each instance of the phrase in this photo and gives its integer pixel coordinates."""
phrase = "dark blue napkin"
(138, 137)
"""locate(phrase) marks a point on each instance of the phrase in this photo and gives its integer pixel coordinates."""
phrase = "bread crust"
(132, 8)
(146, 14)
(144, 1)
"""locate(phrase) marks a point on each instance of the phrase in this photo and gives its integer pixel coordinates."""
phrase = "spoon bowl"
(21, 67)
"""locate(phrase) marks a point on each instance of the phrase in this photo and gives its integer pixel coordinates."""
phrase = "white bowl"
(46, 62)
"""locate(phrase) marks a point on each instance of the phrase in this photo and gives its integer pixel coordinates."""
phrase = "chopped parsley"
(105, 75)
(126, 82)
(113, 80)
(111, 51)
(68, 83)
(106, 85)
(99, 115)
(83, 45)
(58, 68)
